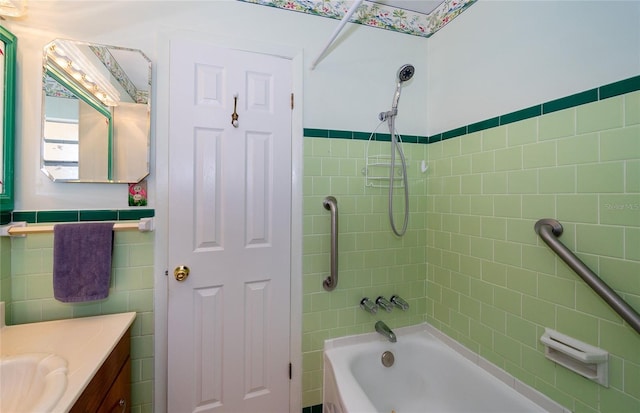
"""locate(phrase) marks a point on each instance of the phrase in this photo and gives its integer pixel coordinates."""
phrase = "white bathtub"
(428, 376)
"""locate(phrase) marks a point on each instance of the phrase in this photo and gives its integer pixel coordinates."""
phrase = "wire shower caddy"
(376, 169)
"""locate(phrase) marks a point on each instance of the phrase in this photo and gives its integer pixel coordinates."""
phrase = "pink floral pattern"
(377, 15)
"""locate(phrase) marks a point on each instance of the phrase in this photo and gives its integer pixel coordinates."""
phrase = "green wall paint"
(131, 290)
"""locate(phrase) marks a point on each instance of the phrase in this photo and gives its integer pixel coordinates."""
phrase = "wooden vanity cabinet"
(110, 389)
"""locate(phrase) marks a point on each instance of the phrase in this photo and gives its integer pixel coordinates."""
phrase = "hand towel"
(82, 261)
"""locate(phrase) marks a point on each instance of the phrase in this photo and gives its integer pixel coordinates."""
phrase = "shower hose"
(396, 146)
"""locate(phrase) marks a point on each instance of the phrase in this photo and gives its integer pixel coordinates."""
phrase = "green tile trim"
(24, 216)
(603, 92)
(620, 88)
(593, 95)
(37, 217)
(434, 138)
(485, 124)
(410, 139)
(128, 214)
(454, 133)
(361, 136)
(5, 218)
(99, 215)
(340, 134)
(571, 101)
(57, 216)
(521, 114)
(383, 137)
(316, 133)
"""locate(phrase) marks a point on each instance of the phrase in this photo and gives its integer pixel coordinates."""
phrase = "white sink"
(32, 382)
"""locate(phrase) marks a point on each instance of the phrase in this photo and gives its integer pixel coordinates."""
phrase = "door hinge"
(290, 371)
(292, 101)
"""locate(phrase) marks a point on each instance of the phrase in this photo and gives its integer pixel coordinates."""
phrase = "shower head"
(406, 72)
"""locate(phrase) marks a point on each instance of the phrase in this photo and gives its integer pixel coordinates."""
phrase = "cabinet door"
(118, 399)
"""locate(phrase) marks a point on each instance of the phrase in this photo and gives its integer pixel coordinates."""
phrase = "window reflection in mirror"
(96, 113)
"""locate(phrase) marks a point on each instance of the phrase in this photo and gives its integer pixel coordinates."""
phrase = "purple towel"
(82, 261)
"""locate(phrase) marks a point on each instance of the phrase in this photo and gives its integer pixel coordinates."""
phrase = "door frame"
(160, 174)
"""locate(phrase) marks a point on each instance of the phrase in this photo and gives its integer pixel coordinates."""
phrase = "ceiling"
(418, 6)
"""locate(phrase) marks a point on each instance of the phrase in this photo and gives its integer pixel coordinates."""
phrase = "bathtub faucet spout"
(383, 329)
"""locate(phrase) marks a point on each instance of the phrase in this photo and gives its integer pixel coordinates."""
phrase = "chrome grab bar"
(331, 204)
(548, 229)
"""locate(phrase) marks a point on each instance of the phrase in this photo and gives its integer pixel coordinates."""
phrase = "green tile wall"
(131, 289)
(5, 275)
(578, 165)
(372, 261)
(490, 282)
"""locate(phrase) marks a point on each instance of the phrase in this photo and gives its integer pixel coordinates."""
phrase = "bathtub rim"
(520, 387)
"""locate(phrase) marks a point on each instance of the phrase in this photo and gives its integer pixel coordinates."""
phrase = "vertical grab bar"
(546, 229)
(331, 204)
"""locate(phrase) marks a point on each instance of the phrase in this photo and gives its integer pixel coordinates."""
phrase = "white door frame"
(160, 173)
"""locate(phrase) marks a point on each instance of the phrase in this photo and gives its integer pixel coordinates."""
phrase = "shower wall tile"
(522, 132)
(632, 109)
(580, 165)
(578, 149)
(372, 261)
(601, 115)
(621, 143)
(556, 125)
(601, 177)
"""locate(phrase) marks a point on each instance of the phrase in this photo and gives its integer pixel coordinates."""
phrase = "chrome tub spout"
(383, 329)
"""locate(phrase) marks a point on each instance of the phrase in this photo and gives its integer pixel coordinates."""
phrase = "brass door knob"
(181, 273)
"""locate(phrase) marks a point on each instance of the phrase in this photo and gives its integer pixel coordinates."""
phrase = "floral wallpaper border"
(377, 15)
(110, 62)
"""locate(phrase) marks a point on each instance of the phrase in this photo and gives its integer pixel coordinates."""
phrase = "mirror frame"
(52, 70)
(8, 129)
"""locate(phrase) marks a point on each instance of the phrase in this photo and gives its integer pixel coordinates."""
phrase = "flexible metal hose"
(394, 146)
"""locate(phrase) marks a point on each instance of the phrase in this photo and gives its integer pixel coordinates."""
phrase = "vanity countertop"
(85, 343)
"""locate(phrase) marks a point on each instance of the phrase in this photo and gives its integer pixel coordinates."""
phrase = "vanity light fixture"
(12, 8)
(69, 58)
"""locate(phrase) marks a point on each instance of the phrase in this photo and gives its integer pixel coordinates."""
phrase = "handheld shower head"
(406, 72)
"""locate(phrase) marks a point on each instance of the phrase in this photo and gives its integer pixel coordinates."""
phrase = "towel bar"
(21, 228)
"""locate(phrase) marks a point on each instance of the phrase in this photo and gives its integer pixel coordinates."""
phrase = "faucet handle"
(400, 303)
(369, 306)
(384, 303)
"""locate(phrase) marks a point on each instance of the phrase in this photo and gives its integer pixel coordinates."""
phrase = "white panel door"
(230, 224)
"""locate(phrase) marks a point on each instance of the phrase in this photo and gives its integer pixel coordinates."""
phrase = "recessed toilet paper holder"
(588, 361)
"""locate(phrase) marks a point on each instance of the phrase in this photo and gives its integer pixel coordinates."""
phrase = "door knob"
(181, 273)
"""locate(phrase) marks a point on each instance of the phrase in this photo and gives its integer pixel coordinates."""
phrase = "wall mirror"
(7, 105)
(96, 110)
